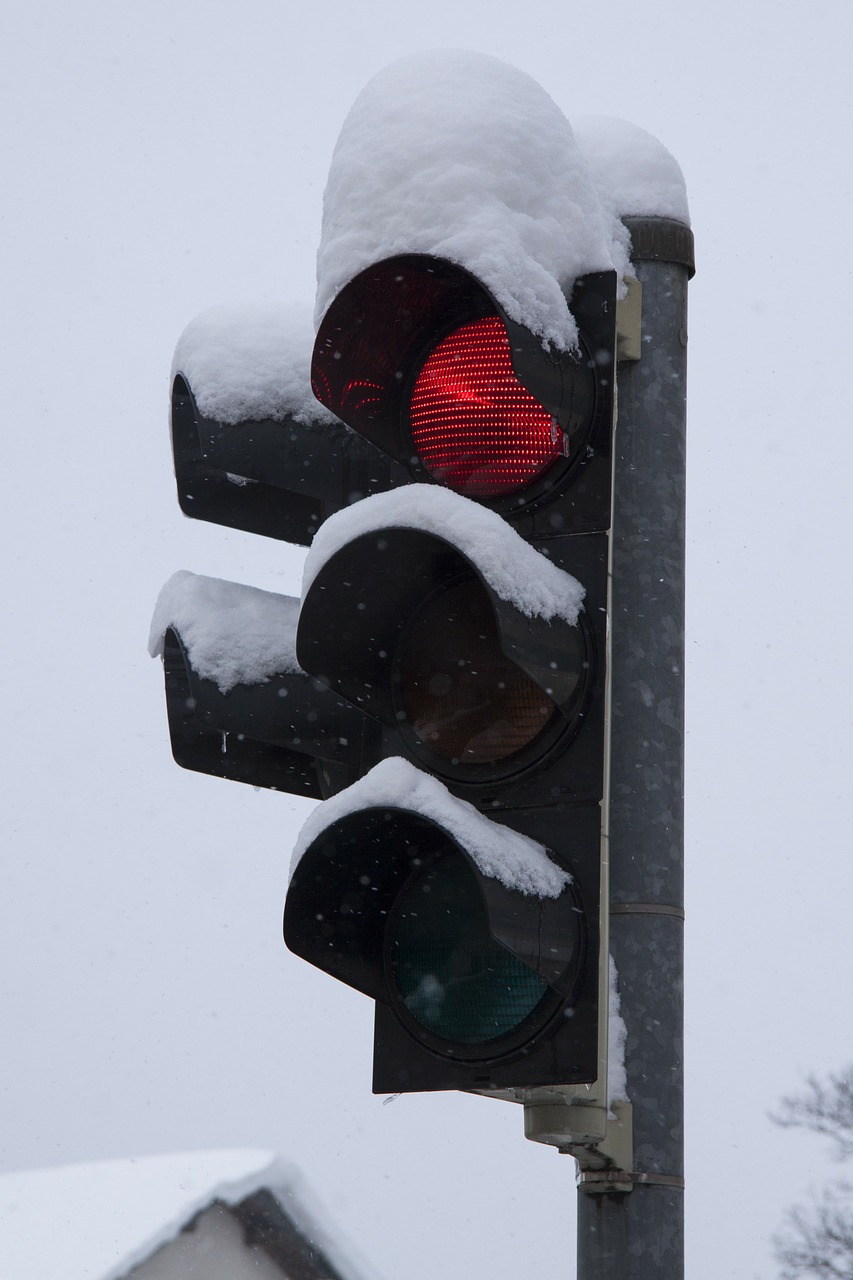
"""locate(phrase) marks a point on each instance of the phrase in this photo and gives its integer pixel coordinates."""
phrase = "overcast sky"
(162, 158)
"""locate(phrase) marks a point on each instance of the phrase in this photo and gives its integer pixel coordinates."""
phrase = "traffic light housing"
(481, 659)
(474, 941)
(467, 616)
(411, 349)
(453, 622)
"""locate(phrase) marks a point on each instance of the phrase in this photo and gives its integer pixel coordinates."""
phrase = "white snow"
(233, 634)
(632, 170)
(96, 1221)
(617, 1086)
(251, 361)
(512, 568)
(460, 155)
(515, 860)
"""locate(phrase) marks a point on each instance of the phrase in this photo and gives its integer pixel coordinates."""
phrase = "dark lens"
(462, 696)
(451, 975)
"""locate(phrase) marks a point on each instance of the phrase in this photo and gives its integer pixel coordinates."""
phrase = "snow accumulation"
(512, 568)
(96, 1221)
(634, 174)
(515, 860)
(251, 361)
(233, 634)
(617, 1084)
(460, 155)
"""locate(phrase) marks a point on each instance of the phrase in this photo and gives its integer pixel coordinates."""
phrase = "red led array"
(474, 425)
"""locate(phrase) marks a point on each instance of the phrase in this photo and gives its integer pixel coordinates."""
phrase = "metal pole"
(639, 1234)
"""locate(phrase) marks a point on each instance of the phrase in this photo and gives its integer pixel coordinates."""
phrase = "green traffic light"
(450, 974)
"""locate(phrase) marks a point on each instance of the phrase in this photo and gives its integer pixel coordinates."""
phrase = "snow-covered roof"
(232, 634)
(97, 1221)
(460, 155)
(503, 854)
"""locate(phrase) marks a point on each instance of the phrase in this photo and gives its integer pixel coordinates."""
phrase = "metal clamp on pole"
(592, 1181)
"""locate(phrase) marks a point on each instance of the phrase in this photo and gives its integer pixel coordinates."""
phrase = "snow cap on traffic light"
(461, 156)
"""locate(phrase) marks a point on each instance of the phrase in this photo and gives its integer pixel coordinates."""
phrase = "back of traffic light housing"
(276, 477)
(288, 733)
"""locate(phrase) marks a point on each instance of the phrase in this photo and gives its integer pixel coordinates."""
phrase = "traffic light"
(418, 357)
(466, 615)
(444, 689)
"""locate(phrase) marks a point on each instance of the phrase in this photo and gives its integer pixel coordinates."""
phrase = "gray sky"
(163, 158)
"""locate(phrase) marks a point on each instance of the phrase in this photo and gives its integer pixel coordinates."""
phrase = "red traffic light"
(475, 427)
(417, 357)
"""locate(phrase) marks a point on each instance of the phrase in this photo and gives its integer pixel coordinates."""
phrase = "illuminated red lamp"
(475, 427)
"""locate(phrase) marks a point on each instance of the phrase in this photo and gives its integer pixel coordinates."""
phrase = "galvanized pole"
(639, 1234)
